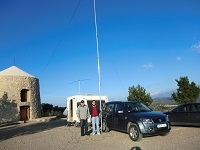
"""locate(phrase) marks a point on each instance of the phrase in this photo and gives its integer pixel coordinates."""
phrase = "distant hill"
(162, 99)
(166, 100)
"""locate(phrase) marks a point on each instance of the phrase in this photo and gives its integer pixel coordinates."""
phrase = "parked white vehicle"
(74, 101)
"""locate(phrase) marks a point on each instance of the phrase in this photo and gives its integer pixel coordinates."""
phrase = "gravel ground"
(55, 135)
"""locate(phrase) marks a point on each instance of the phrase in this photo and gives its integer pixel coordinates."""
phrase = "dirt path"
(55, 135)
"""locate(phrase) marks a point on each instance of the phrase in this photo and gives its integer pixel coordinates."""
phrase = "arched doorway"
(71, 110)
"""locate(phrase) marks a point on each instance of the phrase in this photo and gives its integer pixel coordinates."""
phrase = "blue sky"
(146, 42)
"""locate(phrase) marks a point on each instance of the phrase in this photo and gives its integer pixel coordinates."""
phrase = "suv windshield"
(136, 107)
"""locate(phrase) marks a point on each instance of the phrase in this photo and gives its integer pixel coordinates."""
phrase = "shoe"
(98, 133)
(87, 133)
(93, 133)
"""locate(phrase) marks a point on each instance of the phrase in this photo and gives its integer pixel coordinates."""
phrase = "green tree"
(187, 92)
(138, 93)
(47, 107)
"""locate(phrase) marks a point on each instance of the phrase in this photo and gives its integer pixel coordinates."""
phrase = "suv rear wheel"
(134, 133)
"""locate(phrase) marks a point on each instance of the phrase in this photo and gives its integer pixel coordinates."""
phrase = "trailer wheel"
(76, 124)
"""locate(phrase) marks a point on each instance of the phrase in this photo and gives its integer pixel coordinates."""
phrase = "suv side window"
(109, 107)
(183, 108)
(118, 107)
(198, 107)
(195, 107)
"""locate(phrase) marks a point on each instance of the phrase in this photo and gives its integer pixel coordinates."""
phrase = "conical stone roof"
(14, 71)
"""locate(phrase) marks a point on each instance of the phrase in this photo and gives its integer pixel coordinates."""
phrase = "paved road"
(55, 136)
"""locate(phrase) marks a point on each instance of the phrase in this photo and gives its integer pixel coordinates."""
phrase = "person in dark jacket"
(83, 114)
(94, 111)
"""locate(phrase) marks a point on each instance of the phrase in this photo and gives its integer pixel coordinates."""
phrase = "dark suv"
(134, 118)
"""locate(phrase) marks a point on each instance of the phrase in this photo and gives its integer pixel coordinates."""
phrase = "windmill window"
(24, 95)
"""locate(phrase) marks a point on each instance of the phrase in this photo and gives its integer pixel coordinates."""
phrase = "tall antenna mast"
(98, 58)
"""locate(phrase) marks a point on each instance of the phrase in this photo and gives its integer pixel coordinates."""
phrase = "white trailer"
(74, 101)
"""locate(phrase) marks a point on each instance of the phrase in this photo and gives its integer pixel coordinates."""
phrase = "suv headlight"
(147, 121)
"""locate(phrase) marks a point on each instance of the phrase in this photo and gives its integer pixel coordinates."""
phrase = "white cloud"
(196, 47)
(164, 93)
(147, 66)
(155, 93)
(178, 58)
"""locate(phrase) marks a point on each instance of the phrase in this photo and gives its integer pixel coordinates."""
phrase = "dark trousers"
(84, 126)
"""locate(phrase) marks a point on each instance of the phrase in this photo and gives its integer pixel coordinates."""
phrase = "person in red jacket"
(94, 111)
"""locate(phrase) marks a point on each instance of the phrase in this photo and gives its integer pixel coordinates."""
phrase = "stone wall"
(8, 111)
(10, 97)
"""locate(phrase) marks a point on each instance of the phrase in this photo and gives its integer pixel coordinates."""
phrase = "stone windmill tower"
(19, 96)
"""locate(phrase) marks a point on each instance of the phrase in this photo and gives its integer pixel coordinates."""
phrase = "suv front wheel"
(134, 133)
(104, 126)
